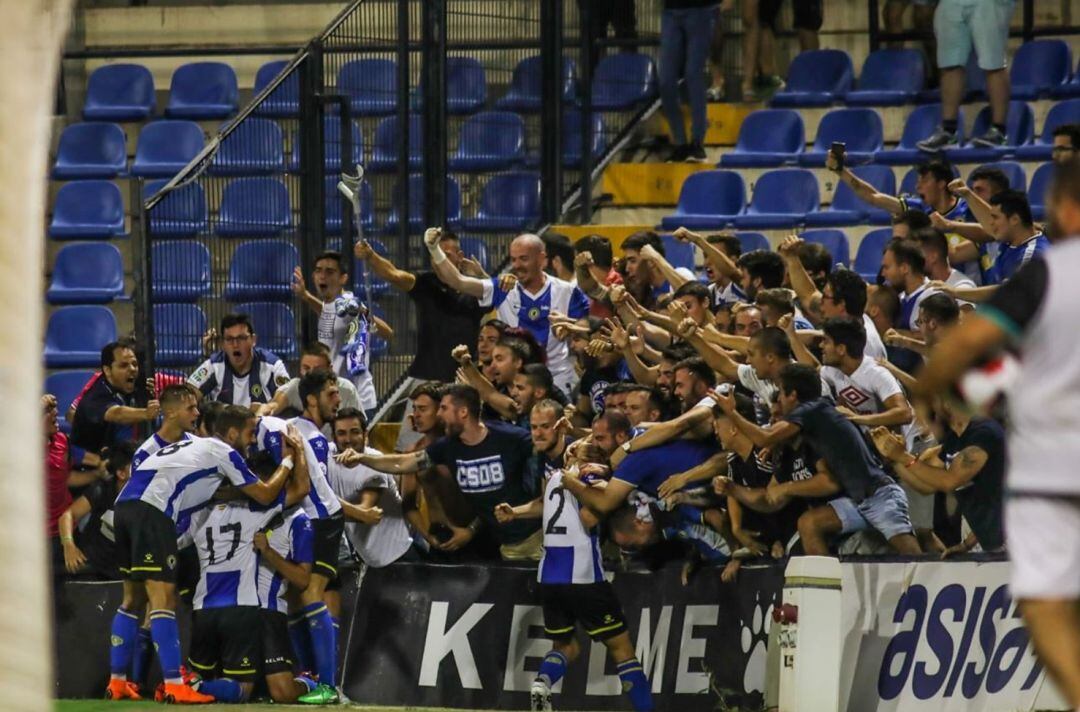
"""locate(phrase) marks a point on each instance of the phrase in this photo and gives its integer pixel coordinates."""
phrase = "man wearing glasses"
(241, 373)
(1066, 143)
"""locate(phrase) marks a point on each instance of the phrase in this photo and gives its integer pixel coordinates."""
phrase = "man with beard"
(643, 405)
(314, 355)
(648, 275)
(514, 401)
(241, 373)
(345, 325)
(548, 430)
(107, 414)
(488, 461)
(528, 304)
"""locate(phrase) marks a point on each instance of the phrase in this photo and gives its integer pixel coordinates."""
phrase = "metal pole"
(403, 119)
(433, 89)
(874, 26)
(585, 68)
(1029, 20)
(142, 266)
(312, 188)
(551, 141)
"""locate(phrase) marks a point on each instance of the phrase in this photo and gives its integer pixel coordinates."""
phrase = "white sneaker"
(540, 697)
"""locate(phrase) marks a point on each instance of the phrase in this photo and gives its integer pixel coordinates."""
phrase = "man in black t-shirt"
(107, 414)
(444, 316)
(489, 464)
(870, 498)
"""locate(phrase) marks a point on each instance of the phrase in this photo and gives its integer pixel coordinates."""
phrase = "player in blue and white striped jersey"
(241, 373)
(528, 303)
(174, 481)
(572, 583)
(180, 417)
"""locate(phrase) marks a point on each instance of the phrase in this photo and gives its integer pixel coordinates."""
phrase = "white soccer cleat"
(540, 697)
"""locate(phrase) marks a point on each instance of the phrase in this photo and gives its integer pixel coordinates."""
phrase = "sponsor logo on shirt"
(482, 475)
(853, 396)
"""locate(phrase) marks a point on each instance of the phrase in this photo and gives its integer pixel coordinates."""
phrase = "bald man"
(527, 302)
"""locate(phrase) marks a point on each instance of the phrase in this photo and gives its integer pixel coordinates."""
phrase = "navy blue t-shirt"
(647, 469)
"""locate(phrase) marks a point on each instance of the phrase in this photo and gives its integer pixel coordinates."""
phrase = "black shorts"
(145, 542)
(227, 642)
(187, 572)
(593, 605)
(327, 545)
(276, 646)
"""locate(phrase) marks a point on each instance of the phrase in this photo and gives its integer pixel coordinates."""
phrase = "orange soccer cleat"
(122, 690)
(183, 695)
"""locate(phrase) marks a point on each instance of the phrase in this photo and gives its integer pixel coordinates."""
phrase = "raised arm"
(445, 269)
(979, 208)
(295, 573)
(676, 280)
(593, 289)
(504, 513)
(863, 190)
(713, 254)
(924, 476)
(664, 432)
(897, 412)
(798, 348)
(504, 404)
(384, 268)
(716, 359)
(770, 436)
(299, 287)
(643, 374)
(805, 289)
(398, 463)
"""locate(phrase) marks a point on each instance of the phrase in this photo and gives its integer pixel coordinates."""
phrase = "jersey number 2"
(224, 529)
(551, 527)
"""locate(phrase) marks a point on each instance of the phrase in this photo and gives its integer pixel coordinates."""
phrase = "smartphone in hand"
(839, 151)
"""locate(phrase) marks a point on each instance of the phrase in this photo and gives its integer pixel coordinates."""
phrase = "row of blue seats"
(488, 141)
(774, 137)
(787, 197)
(898, 76)
(75, 335)
(93, 272)
(209, 90)
(260, 207)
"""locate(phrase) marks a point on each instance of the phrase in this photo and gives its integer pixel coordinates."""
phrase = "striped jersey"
(521, 308)
(224, 537)
(180, 479)
(571, 552)
(217, 380)
(1011, 258)
(320, 500)
(152, 444)
(336, 331)
(292, 538)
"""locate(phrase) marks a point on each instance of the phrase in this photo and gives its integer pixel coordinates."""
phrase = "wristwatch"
(626, 446)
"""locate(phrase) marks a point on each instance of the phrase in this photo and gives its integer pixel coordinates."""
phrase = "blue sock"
(322, 640)
(167, 643)
(223, 689)
(301, 643)
(306, 682)
(122, 637)
(552, 668)
(144, 654)
(337, 637)
(636, 685)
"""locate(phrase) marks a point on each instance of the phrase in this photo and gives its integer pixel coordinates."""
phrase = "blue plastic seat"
(370, 84)
(203, 90)
(476, 247)
(1069, 89)
(1038, 67)
(255, 146)
(622, 81)
(384, 152)
(417, 204)
(254, 207)
(466, 85)
(87, 273)
(1013, 171)
(524, 94)
(859, 129)
(781, 199)
(974, 85)
(677, 253)
(816, 78)
(769, 137)
(76, 335)
(835, 241)
(275, 327)
(284, 101)
(166, 147)
(1040, 182)
(261, 270)
(1019, 129)
(91, 150)
(489, 141)
(87, 210)
(178, 331)
(332, 147)
(572, 140)
(848, 209)
(751, 241)
(119, 92)
(889, 77)
(708, 200)
(871, 249)
(66, 385)
(180, 213)
(179, 271)
(1065, 112)
(920, 124)
(334, 210)
(508, 202)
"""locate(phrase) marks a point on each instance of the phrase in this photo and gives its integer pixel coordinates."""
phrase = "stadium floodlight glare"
(349, 186)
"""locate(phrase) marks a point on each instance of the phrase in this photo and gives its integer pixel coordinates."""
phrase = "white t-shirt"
(386, 542)
(763, 389)
(865, 390)
(875, 347)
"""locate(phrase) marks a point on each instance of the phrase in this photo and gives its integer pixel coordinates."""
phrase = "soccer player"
(572, 584)
(242, 373)
(345, 325)
(528, 303)
(179, 478)
(180, 417)
(227, 622)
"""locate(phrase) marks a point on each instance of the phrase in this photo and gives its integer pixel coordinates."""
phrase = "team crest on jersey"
(534, 313)
(256, 391)
(281, 380)
(201, 373)
(170, 561)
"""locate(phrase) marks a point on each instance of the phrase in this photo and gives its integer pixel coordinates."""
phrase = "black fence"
(459, 112)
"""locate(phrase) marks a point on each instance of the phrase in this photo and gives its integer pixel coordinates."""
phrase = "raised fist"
(461, 354)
